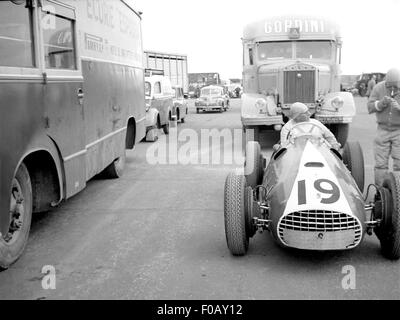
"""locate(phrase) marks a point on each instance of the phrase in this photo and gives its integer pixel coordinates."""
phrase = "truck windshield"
(147, 89)
(209, 91)
(275, 50)
(314, 50)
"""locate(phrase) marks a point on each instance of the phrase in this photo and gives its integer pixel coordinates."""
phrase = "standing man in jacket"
(384, 102)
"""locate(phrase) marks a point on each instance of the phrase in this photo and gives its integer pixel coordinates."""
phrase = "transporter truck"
(289, 59)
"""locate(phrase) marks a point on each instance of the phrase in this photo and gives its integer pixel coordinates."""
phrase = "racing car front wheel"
(389, 230)
(354, 160)
(253, 168)
(235, 206)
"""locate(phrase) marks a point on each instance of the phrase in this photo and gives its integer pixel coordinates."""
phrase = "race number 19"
(333, 191)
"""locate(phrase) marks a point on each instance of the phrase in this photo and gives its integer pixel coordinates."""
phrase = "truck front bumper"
(262, 121)
(330, 119)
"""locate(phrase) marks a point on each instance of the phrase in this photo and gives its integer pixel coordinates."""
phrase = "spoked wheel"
(389, 230)
(254, 165)
(354, 160)
(235, 209)
(116, 169)
(13, 243)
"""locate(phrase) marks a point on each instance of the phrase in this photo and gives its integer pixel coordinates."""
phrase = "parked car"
(362, 83)
(310, 197)
(153, 122)
(180, 108)
(212, 98)
(160, 95)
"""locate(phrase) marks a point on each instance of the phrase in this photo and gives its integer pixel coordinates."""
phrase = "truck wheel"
(13, 243)
(251, 134)
(197, 110)
(253, 168)
(116, 169)
(389, 231)
(354, 160)
(341, 132)
(235, 215)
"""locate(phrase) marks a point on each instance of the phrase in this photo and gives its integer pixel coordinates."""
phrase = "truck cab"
(291, 59)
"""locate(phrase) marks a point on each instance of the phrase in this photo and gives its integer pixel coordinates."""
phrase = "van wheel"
(237, 238)
(389, 230)
(116, 169)
(13, 243)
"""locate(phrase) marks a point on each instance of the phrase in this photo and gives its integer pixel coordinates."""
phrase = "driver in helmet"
(299, 113)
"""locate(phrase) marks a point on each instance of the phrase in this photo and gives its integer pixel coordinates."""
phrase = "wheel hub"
(16, 212)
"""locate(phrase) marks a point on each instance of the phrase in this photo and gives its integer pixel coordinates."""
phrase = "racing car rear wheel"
(389, 230)
(253, 168)
(235, 206)
(354, 160)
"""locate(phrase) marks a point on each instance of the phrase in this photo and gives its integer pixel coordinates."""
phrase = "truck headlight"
(337, 103)
(261, 104)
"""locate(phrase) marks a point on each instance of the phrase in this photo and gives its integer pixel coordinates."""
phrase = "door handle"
(80, 95)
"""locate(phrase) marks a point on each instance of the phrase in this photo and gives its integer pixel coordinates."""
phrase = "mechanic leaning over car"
(299, 113)
(384, 102)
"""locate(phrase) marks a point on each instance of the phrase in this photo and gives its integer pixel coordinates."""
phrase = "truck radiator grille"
(320, 230)
(299, 86)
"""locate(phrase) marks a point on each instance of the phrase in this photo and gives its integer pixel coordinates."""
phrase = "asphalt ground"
(158, 233)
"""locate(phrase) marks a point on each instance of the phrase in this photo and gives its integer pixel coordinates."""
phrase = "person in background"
(371, 85)
(384, 102)
(299, 113)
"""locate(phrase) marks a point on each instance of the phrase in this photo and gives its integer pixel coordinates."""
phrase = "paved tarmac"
(158, 233)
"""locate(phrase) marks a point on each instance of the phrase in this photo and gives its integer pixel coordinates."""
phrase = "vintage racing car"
(310, 196)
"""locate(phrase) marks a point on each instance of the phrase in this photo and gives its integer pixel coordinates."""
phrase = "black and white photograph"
(199, 151)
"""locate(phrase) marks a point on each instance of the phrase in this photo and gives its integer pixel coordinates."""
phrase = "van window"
(157, 88)
(59, 44)
(16, 38)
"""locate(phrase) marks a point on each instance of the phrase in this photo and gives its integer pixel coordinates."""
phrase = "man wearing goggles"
(384, 102)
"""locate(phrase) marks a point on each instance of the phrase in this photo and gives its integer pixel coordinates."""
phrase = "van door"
(63, 91)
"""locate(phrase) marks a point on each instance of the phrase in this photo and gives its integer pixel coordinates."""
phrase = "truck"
(289, 59)
(72, 96)
(173, 66)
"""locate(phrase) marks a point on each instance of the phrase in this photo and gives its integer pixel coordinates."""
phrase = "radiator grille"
(299, 86)
(325, 230)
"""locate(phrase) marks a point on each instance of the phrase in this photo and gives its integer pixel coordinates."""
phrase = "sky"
(210, 31)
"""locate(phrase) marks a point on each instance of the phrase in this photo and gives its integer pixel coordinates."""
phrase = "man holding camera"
(384, 102)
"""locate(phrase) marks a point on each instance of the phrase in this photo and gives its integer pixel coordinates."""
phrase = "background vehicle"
(71, 105)
(160, 95)
(212, 98)
(180, 104)
(309, 197)
(293, 59)
(153, 122)
(362, 82)
(347, 82)
(173, 66)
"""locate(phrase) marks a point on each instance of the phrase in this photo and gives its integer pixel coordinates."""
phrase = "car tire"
(166, 128)
(13, 245)
(354, 160)
(389, 233)
(237, 238)
(253, 168)
(116, 169)
(341, 132)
